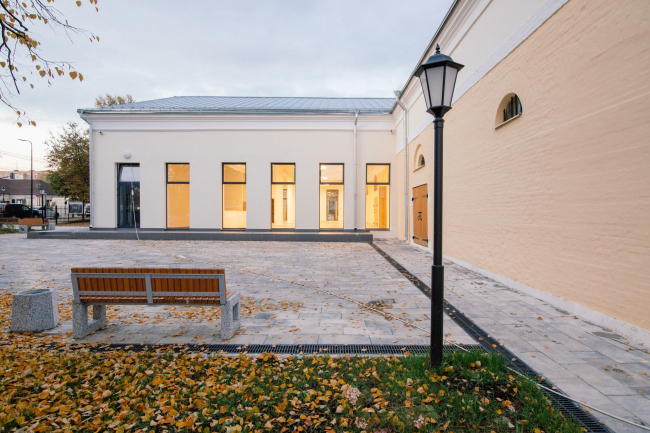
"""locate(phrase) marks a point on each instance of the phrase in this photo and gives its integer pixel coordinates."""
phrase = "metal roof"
(230, 104)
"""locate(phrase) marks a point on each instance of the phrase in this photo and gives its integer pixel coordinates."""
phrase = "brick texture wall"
(559, 198)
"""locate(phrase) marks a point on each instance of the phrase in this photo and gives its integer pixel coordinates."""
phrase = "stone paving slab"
(571, 352)
(277, 281)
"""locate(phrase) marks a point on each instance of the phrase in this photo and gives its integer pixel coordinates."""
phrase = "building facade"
(265, 167)
(546, 157)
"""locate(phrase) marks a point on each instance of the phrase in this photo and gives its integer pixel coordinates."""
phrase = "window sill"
(507, 121)
(422, 166)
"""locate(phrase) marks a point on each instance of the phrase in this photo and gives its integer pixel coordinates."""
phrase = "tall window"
(331, 196)
(234, 196)
(283, 196)
(377, 196)
(178, 196)
(128, 195)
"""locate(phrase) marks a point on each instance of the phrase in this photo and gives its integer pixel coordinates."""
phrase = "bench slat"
(102, 281)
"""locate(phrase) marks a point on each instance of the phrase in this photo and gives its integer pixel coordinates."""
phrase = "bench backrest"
(148, 285)
(31, 221)
(8, 220)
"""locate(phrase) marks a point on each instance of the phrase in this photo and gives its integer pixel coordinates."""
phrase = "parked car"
(49, 212)
(87, 210)
(17, 210)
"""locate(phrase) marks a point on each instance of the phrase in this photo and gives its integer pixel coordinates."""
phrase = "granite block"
(230, 317)
(81, 327)
(34, 311)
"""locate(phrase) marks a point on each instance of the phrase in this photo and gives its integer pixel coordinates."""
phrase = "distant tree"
(69, 174)
(20, 57)
(108, 100)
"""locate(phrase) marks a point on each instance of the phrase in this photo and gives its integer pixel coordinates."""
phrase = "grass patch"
(158, 392)
(7, 230)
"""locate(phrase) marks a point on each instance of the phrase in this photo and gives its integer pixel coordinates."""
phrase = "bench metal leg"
(230, 317)
(81, 327)
(22, 229)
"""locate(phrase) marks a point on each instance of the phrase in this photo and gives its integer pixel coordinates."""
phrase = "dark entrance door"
(128, 196)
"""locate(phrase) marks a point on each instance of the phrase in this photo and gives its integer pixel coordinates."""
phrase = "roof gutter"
(398, 94)
(356, 174)
(230, 111)
(433, 40)
(91, 163)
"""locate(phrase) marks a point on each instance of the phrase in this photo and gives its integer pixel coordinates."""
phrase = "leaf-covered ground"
(49, 391)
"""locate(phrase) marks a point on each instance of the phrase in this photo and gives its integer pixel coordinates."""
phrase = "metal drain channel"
(566, 406)
(280, 349)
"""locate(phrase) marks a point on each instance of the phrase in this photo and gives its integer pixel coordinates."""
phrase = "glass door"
(128, 196)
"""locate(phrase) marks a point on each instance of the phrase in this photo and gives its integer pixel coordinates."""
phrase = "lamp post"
(31, 190)
(42, 192)
(438, 78)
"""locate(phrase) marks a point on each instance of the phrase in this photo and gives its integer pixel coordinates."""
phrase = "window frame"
(223, 182)
(167, 182)
(119, 169)
(320, 182)
(379, 184)
(271, 195)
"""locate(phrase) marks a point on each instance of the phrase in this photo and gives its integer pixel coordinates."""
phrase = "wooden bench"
(8, 221)
(24, 224)
(149, 286)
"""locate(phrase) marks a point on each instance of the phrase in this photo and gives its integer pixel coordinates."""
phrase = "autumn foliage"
(22, 62)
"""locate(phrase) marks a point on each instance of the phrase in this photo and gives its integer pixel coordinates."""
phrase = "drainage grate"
(566, 406)
(280, 349)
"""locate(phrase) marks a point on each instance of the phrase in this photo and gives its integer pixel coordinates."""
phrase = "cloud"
(154, 49)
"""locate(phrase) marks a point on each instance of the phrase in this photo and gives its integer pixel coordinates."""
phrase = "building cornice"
(256, 122)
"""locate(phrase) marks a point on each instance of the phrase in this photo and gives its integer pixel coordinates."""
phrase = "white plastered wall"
(206, 149)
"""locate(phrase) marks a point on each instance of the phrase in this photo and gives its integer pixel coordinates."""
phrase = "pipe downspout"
(398, 94)
(356, 173)
(92, 171)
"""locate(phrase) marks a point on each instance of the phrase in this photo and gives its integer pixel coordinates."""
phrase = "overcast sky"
(154, 49)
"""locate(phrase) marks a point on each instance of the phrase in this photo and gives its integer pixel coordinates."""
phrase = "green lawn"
(156, 392)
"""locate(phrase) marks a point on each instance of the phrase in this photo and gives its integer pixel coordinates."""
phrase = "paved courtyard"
(282, 286)
(310, 293)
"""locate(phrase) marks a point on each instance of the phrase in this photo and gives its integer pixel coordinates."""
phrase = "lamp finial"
(437, 48)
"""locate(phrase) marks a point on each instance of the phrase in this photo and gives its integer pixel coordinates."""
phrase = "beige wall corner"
(557, 199)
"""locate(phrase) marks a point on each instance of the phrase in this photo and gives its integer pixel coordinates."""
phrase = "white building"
(255, 164)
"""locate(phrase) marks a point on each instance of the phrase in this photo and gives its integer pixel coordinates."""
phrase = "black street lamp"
(31, 190)
(438, 78)
(43, 202)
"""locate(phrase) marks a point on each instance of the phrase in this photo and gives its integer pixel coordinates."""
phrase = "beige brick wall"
(559, 198)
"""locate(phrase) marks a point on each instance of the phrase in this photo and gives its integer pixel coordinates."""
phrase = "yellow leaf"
(41, 73)
(78, 3)
(81, 77)
(73, 75)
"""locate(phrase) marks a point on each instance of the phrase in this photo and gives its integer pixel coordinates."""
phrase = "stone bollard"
(34, 311)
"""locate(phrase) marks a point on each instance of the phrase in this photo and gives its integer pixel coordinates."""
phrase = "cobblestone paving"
(585, 361)
(275, 280)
